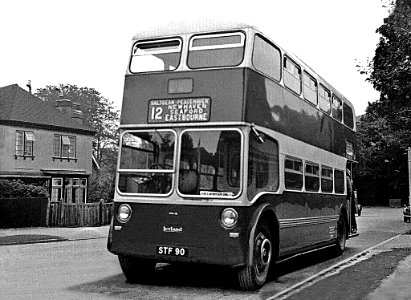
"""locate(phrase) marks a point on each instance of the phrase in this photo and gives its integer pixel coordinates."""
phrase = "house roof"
(21, 108)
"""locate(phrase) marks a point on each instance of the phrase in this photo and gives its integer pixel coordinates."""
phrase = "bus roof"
(184, 27)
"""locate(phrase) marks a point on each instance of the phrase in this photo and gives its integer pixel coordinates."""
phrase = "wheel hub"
(263, 252)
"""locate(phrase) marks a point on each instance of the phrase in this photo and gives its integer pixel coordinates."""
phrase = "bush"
(16, 188)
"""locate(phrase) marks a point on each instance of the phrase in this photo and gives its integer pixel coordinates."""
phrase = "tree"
(101, 116)
(385, 130)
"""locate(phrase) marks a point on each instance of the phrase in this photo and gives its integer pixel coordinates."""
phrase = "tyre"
(135, 269)
(252, 277)
(341, 236)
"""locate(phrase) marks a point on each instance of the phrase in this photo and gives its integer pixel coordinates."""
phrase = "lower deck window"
(326, 180)
(293, 174)
(312, 177)
(262, 166)
(339, 181)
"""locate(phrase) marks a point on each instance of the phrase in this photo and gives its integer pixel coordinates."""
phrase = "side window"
(262, 165)
(292, 75)
(348, 116)
(324, 99)
(339, 181)
(310, 88)
(337, 108)
(312, 177)
(267, 58)
(326, 179)
(293, 169)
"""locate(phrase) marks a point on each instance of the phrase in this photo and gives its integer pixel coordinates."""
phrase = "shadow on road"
(187, 281)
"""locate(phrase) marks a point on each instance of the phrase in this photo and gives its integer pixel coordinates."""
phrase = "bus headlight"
(229, 218)
(124, 213)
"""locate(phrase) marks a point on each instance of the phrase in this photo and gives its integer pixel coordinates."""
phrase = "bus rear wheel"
(252, 277)
(341, 236)
(135, 269)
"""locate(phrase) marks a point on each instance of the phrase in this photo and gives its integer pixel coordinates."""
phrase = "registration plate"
(172, 251)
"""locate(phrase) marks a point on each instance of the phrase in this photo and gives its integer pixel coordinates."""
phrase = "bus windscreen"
(210, 163)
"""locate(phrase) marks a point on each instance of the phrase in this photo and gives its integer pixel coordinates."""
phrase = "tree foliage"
(99, 113)
(101, 116)
(385, 130)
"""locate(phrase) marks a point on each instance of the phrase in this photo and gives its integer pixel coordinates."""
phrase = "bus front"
(180, 187)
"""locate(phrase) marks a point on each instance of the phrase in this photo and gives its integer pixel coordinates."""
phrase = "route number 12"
(156, 113)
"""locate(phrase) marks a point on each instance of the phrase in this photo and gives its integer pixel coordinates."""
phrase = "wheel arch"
(264, 213)
(344, 213)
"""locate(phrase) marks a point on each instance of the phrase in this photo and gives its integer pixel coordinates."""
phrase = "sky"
(87, 42)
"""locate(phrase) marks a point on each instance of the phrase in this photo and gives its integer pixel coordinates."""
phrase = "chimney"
(64, 105)
(71, 109)
(29, 86)
(76, 113)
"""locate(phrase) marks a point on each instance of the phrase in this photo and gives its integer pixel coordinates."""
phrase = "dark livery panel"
(270, 105)
(155, 231)
(231, 95)
(223, 88)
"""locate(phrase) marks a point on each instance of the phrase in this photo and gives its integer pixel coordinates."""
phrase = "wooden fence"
(79, 214)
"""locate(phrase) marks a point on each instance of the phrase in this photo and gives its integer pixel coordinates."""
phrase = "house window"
(64, 146)
(56, 189)
(24, 143)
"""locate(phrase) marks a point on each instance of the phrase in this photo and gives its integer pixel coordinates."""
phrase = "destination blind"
(179, 110)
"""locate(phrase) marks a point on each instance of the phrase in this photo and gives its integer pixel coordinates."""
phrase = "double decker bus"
(233, 152)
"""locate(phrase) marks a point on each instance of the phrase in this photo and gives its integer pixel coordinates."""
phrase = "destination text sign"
(179, 110)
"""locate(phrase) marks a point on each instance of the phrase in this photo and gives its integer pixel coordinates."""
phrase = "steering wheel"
(161, 166)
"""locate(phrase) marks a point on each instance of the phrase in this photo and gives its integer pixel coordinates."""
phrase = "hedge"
(17, 188)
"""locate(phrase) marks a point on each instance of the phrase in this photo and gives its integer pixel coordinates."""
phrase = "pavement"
(30, 235)
(396, 286)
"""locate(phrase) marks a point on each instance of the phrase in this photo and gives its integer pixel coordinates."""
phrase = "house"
(45, 144)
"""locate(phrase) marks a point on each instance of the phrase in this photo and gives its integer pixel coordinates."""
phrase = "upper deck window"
(216, 50)
(310, 88)
(325, 98)
(348, 116)
(162, 55)
(267, 58)
(337, 108)
(292, 75)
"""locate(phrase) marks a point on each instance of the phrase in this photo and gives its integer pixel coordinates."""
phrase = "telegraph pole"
(409, 176)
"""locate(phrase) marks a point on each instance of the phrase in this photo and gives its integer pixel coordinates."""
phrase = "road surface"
(84, 269)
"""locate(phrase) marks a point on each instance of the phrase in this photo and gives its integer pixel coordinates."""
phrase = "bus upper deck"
(232, 75)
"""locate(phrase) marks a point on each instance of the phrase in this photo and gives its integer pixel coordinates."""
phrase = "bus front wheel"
(135, 269)
(252, 277)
